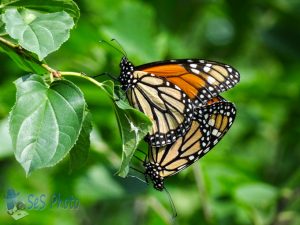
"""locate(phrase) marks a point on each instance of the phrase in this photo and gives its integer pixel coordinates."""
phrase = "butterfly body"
(126, 77)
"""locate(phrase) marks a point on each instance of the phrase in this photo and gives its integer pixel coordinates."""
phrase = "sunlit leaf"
(68, 6)
(37, 32)
(45, 121)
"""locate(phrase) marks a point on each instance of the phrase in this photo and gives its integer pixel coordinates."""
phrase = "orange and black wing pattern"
(200, 79)
(210, 124)
(168, 107)
(168, 91)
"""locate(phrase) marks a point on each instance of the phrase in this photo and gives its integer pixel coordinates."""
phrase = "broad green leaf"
(37, 32)
(68, 6)
(79, 153)
(45, 122)
(133, 125)
(25, 61)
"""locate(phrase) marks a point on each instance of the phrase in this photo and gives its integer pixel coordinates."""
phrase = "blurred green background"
(251, 177)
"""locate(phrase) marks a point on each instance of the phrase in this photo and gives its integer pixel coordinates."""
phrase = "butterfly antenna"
(114, 47)
(174, 215)
(120, 46)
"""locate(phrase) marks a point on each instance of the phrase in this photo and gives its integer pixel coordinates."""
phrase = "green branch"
(53, 72)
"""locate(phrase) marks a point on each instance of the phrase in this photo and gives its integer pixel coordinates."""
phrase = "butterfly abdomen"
(126, 76)
(153, 172)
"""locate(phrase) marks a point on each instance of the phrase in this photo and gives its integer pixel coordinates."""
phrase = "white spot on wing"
(211, 122)
(206, 69)
(215, 132)
(195, 71)
(211, 80)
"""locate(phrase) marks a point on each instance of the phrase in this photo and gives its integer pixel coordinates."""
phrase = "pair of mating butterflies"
(189, 117)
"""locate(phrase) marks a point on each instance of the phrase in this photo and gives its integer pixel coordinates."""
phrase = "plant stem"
(90, 79)
(53, 72)
(21, 51)
(10, 44)
(81, 75)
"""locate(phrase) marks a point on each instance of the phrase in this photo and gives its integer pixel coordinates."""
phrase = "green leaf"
(79, 153)
(133, 125)
(45, 122)
(25, 60)
(36, 32)
(49, 6)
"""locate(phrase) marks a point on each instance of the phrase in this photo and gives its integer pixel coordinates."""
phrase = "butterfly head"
(126, 75)
(152, 171)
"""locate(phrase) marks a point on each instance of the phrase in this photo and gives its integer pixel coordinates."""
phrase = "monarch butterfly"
(166, 91)
(209, 125)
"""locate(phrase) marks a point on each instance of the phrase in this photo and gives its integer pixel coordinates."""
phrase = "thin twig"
(90, 79)
(53, 72)
(10, 44)
(20, 51)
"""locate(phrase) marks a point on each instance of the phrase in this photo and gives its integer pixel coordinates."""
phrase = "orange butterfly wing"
(199, 79)
(209, 126)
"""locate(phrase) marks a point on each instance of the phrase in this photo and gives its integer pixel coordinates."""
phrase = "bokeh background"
(251, 177)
